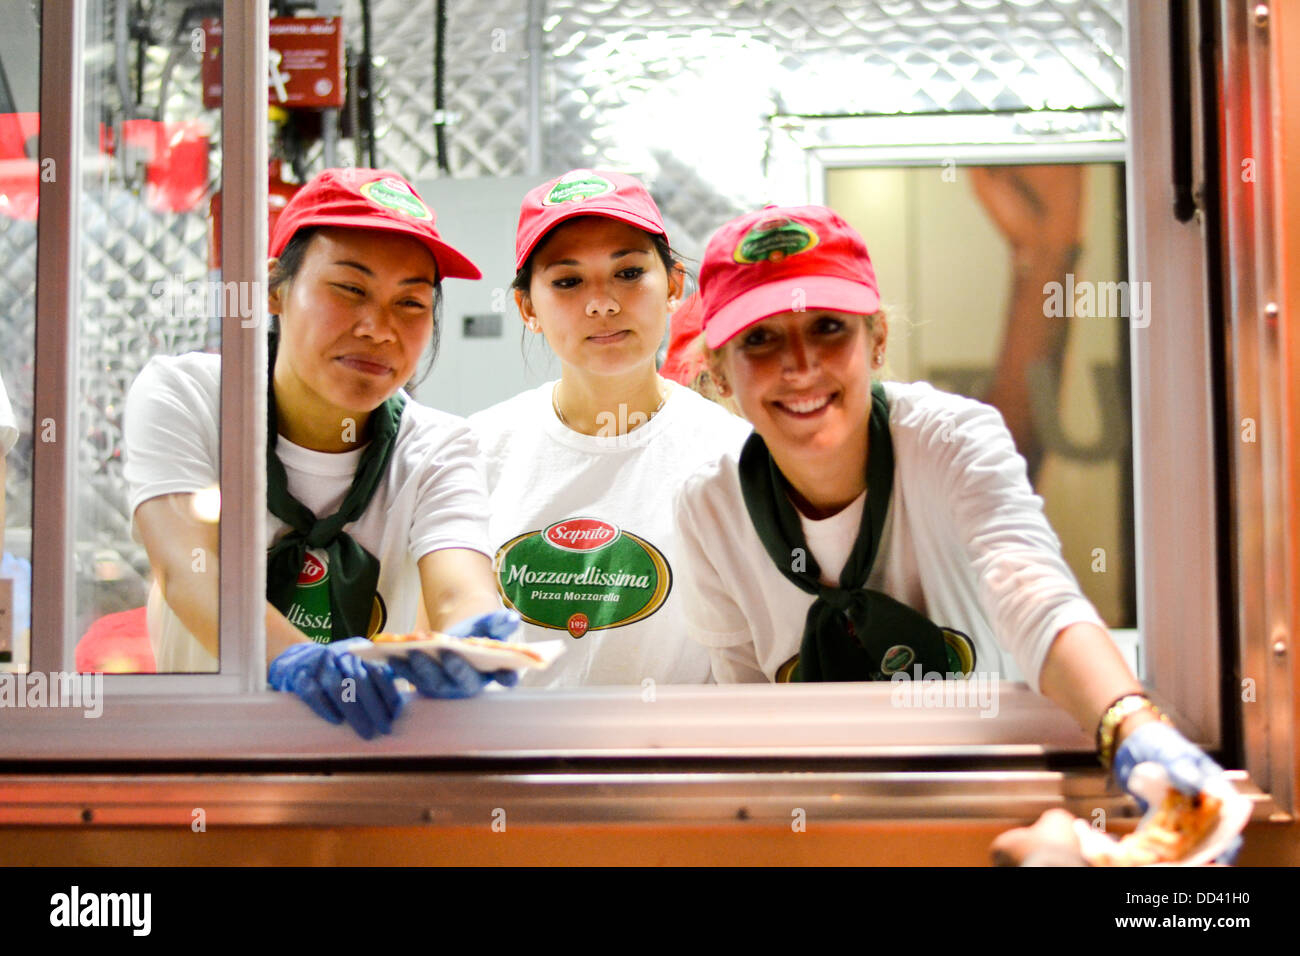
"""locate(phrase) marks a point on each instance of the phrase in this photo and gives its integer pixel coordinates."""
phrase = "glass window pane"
(1006, 283)
(147, 346)
(19, 177)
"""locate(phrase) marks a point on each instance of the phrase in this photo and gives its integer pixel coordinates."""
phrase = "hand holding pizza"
(452, 677)
(1189, 768)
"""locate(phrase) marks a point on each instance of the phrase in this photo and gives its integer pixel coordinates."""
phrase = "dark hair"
(290, 261)
(524, 277)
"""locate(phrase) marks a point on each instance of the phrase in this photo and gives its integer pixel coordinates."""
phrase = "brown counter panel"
(838, 844)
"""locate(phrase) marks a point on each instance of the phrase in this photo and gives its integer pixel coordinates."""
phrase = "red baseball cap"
(369, 199)
(783, 259)
(684, 359)
(583, 192)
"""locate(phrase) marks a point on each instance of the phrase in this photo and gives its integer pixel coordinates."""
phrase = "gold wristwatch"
(1116, 714)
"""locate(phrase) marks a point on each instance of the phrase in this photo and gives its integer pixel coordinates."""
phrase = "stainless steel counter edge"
(468, 798)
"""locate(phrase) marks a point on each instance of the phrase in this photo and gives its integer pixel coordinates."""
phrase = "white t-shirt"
(432, 497)
(8, 424)
(831, 539)
(965, 543)
(588, 551)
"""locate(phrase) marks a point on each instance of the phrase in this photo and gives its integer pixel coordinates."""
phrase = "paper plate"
(498, 655)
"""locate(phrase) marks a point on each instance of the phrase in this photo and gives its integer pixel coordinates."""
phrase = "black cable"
(367, 91)
(141, 31)
(439, 87)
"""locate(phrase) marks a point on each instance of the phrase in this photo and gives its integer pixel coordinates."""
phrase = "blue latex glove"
(1188, 767)
(20, 569)
(452, 676)
(316, 673)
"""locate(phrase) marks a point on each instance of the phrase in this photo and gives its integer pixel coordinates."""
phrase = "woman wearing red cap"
(375, 503)
(869, 529)
(582, 470)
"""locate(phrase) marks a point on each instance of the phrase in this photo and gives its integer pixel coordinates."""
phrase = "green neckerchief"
(851, 632)
(353, 571)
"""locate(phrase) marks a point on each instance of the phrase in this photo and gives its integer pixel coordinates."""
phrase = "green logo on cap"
(575, 187)
(772, 240)
(396, 195)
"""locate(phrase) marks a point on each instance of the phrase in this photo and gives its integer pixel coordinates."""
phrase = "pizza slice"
(385, 638)
(1169, 834)
(489, 644)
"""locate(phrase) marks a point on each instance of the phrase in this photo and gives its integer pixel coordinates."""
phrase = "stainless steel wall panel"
(681, 93)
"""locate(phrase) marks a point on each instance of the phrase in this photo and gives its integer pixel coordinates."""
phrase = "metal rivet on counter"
(1261, 14)
(1279, 648)
(1271, 311)
(87, 815)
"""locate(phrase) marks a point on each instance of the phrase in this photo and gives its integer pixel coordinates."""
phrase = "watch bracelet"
(1124, 706)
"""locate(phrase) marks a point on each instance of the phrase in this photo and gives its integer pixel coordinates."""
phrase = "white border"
(188, 717)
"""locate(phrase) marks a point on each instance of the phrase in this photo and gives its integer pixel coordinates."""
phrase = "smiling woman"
(355, 276)
(353, 324)
(882, 531)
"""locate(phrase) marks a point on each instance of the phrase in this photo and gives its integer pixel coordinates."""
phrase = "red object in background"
(175, 157)
(685, 358)
(19, 173)
(305, 69)
(278, 194)
(117, 644)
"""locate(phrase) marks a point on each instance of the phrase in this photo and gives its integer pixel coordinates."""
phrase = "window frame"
(194, 718)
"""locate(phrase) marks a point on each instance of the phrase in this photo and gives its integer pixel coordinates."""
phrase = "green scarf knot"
(353, 571)
(836, 598)
(852, 632)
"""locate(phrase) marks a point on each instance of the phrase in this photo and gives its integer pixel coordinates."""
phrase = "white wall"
(478, 217)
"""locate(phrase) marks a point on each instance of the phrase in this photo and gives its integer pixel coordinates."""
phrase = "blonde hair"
(706, 382)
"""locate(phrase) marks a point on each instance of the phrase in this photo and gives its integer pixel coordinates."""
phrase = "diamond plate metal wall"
(664, 87)
(680, 92)
(485, 91)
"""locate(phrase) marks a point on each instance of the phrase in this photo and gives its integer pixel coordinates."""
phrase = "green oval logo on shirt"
(582, 574)
(309, 611)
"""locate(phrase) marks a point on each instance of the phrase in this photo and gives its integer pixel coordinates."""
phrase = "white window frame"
(227, 716)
